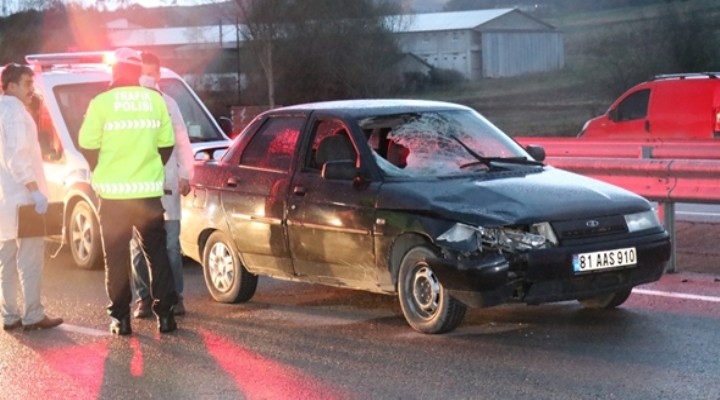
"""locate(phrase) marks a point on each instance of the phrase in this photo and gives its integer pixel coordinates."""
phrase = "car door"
(330, 222)
(255, 193)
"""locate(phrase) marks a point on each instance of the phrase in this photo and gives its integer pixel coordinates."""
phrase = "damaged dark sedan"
(426, 200)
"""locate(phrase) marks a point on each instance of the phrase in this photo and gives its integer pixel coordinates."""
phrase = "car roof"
(364, 107)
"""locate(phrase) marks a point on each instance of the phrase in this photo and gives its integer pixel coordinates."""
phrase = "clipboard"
(32, 224)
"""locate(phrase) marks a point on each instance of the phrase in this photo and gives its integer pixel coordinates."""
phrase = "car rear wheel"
(427, 307)
(84, 237)
(606, 301)
(226, 278)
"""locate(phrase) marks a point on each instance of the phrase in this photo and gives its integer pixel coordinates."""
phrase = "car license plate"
(598, 260)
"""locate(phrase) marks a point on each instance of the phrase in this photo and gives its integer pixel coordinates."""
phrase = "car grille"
(582, 228)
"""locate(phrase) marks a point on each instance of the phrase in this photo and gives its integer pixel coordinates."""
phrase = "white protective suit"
(21, 260)
(21, 162)
(180, 164)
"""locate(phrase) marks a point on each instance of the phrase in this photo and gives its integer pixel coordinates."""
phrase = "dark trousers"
(118, 218)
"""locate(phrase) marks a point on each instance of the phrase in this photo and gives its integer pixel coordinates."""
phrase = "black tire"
(226, 278)
(84, 237)
(606, 301)
(425, 304)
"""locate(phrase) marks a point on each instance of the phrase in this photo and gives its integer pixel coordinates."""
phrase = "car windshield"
(74, 99)
(439, 143)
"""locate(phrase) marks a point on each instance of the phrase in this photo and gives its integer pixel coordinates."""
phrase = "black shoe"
(143, 308)
(120, 326)
(166, 323)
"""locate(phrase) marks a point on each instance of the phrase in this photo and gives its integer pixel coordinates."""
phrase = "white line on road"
(686, 296)
(83, 330)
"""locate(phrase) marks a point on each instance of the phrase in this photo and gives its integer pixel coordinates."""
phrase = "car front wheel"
(427, 307)
(607, 301)
(84, 237)
(226, 278)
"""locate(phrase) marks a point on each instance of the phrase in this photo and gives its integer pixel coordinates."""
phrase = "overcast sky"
(12, 6)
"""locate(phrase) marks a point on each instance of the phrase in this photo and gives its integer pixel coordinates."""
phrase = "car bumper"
(547, 275)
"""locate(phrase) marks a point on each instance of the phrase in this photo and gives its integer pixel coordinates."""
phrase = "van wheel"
(427, 307)
(84, 237)
(606, 301)
(226, 278)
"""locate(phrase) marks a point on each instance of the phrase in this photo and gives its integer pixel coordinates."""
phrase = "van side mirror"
(537, 152)
(612, 115)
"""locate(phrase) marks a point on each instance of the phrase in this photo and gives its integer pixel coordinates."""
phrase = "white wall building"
(484, 43)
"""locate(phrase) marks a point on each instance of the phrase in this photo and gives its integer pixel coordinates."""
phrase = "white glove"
(41, 202)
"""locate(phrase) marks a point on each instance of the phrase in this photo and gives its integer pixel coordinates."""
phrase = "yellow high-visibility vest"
(128, 125)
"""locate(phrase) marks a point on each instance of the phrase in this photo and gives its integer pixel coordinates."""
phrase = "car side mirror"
(612, 115)
(340, 170)
(210, 154)
(537, 152)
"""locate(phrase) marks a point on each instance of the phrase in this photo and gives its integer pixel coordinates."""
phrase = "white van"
(66, 82)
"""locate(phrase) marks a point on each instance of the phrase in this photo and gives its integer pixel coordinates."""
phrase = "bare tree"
(264, 21)
(676, 40)
(320, 49)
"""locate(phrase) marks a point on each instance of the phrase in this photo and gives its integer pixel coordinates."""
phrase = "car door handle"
(647, 126)
(232, 181)
(299, 190)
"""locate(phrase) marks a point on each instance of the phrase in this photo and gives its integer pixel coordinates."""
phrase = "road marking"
(82, 329)
(677, 295)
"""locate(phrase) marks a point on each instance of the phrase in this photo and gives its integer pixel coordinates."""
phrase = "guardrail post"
(668, 211)
(646, 152)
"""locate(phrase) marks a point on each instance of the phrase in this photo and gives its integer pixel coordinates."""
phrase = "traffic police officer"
(127, 138)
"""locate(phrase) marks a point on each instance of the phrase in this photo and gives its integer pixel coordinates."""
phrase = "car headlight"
(544, 229)
(468, 238)
(641, 221)
(540, 236)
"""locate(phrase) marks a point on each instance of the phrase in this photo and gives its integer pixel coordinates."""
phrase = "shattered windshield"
(439, 143)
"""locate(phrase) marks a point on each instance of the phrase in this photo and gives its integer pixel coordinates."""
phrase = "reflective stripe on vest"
(127, 188)
(132, 124)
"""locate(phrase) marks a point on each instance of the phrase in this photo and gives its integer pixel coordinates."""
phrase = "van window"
(200, 126)
(74, 99)
(50, 145)
(634, 106)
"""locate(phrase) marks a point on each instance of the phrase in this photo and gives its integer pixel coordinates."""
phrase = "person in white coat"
(178, 172)
(22, 181)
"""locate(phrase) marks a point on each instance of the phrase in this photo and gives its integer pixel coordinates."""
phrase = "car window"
(273, 145)
(330, 142)
(434, 144)
(634, 106)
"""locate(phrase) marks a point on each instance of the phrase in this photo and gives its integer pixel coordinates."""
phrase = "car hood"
(495, 199)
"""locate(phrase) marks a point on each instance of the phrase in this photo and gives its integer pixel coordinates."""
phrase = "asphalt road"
(298, 341)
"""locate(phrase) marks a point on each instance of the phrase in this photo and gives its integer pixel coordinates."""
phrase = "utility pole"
(239, 70)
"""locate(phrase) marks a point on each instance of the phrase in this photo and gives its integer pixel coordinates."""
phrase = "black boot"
(166, 322)
(121, 326)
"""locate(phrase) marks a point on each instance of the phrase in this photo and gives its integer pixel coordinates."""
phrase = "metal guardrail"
(667, 171)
